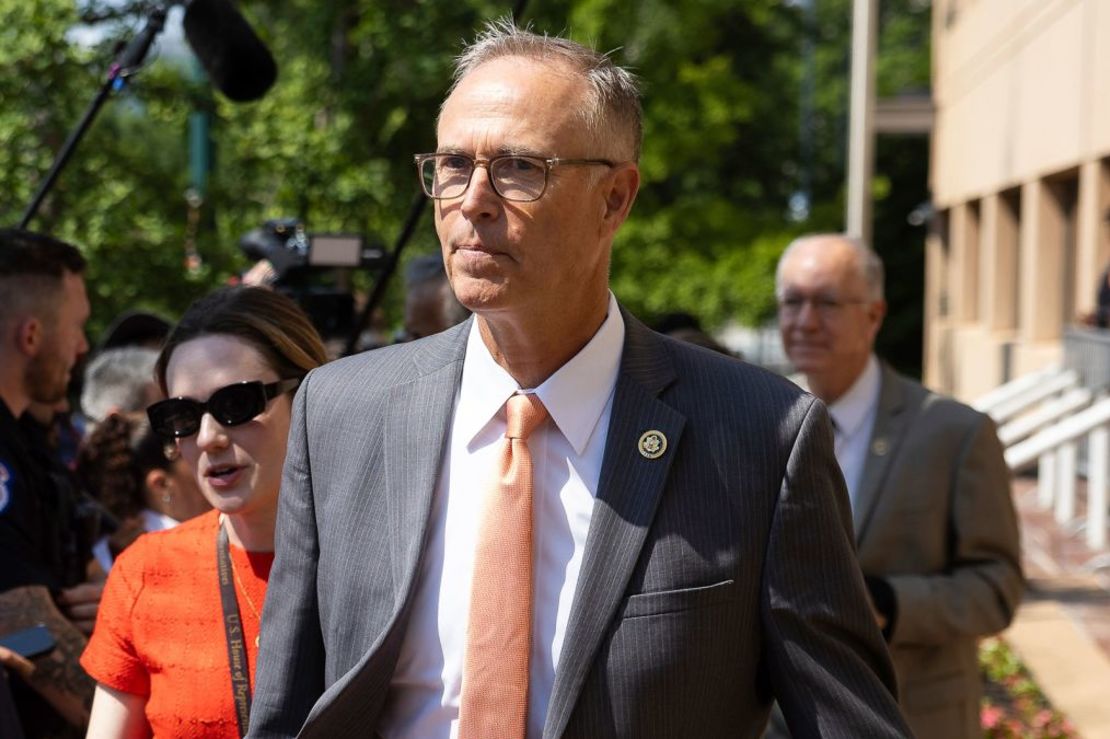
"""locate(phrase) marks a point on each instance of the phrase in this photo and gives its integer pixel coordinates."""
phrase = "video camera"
(313, 269)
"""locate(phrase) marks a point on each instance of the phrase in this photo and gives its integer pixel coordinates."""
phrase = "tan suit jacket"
(935, 519)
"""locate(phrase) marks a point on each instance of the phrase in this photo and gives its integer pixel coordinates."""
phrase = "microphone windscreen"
(236, 60)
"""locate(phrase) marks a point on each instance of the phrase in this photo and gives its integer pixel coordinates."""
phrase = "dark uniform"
(40, 539)
(44, 539)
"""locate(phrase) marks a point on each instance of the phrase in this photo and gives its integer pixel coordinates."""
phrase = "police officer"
(42, 319)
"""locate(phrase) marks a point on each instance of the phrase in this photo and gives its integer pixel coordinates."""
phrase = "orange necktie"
(494, 701)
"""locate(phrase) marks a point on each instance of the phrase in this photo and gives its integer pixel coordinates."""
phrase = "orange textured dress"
(160, 634)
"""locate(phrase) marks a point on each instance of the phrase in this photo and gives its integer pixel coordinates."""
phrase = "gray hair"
(868, 262)
(118, 380)
(612, 110)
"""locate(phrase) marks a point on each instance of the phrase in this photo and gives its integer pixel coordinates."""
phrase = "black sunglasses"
(176, 418)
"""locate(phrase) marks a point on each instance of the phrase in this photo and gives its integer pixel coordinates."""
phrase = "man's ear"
(29, 335)
(876, 312)
(621, 187)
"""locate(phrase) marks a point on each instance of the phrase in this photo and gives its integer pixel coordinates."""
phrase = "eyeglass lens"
(824, 305)
(514, 178)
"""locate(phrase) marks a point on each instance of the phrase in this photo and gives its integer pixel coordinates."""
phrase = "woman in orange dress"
(176, 638)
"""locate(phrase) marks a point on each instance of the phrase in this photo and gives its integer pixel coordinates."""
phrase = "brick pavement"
(1062, 631)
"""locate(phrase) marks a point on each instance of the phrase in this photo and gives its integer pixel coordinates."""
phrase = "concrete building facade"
(1020, 176)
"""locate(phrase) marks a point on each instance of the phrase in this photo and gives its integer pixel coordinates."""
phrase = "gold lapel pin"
(652, 444)
(880, 447)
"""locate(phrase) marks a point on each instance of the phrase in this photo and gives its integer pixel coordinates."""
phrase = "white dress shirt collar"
(854, 407)
(575, 395)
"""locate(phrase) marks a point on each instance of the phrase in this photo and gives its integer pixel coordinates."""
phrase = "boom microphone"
(236, 60)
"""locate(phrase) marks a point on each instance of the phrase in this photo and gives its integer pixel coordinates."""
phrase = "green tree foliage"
(358, 92)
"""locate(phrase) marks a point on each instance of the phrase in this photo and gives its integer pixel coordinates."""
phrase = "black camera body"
(312, 268)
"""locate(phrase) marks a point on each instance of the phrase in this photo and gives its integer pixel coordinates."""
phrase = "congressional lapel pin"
(880, 447)
(652, 444)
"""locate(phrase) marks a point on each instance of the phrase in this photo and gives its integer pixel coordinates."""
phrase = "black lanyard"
(233, 626)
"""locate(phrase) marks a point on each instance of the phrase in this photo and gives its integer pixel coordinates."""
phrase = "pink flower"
(990, 716)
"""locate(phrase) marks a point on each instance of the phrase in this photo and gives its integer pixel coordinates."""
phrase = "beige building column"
(1092, 247)
(998, 264)
(963, 267)
(935, 359)
(1042, 264)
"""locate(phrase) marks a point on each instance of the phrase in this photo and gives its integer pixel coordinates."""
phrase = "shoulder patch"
(6, 480)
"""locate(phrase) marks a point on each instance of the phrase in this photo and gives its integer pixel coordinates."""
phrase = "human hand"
(880, 619)
(80, 603)
(262, 274)
(16, 662)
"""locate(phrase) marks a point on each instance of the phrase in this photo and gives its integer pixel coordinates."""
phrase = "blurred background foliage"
(731, 136)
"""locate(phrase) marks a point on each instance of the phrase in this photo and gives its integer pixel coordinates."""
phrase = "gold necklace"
(243, 590)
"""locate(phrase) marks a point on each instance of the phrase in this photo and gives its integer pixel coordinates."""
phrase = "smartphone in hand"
(29, 643)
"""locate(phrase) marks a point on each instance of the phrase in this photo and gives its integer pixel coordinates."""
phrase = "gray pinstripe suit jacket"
(714, 577)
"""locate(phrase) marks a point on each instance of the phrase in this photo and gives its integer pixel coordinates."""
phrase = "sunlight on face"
(239, 467)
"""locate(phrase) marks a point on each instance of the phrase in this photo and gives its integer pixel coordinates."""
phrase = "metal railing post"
(1098, 480)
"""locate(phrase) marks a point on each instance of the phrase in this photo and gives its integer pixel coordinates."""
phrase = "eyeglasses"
(232, 405)
(520, 179)
(790, 306)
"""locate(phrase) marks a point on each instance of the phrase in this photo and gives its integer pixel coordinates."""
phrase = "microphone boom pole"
(126, 64)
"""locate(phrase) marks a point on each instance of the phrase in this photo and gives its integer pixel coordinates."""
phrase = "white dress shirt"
(567, 455)
(853, 416)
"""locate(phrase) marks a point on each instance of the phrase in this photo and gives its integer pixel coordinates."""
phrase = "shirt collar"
(575, 395)
(851, 409)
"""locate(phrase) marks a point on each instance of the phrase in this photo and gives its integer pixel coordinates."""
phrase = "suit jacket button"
(880, 447)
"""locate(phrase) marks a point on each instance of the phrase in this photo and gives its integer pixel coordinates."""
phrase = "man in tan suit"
(935, 527)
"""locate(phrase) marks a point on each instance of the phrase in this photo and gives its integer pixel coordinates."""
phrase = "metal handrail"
(1021, 456)
(1013, 388)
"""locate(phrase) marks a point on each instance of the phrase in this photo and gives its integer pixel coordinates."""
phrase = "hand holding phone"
(16, 663)
(29, 643)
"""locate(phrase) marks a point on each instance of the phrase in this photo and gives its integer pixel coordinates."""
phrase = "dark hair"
(32, 267)
(668, 323)
(115, 459)
(424, 269)
(134, 328)
(24, 253)
(270, 322)
(697, 337)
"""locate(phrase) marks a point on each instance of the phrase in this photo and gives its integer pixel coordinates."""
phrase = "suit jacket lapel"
(886, 437)
(628, 492)
(417, 426)
(415, 429)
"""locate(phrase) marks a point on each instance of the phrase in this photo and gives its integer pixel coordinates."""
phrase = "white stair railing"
(1052, 411)
(1046, 389)
(1055, 450)
(1013, 388)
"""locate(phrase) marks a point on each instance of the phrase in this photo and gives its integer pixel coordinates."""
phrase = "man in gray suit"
(930, 491)
(690, 554)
